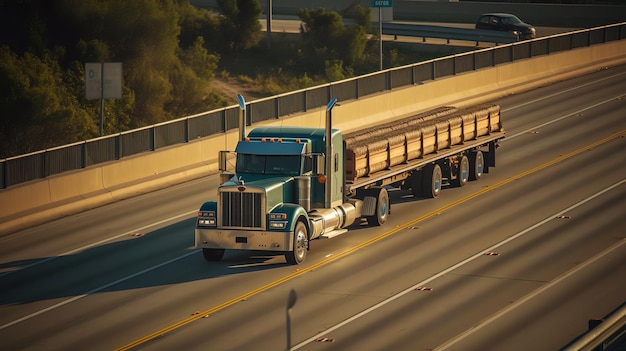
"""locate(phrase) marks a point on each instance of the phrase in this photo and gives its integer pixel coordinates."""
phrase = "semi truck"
(284, 186)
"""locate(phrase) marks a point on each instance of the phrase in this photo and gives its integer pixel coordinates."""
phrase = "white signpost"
(380, 4)
(103, 80)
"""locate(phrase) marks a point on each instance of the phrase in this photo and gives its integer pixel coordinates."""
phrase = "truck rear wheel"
(213, 255)
(462, 174)
(300, 244)
(477, 165)
(382, 207)
(431, 180)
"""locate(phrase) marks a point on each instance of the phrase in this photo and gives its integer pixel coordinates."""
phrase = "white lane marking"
(562, 92)
(451, 268)
(509, 137)
(530, 296)
(75, 298)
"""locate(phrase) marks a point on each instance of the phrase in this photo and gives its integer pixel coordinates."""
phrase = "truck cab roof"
(274, 147)
(316, 136)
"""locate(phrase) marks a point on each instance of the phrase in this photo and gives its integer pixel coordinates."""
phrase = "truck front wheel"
(212, 255)
(300, 244)
(382, 207)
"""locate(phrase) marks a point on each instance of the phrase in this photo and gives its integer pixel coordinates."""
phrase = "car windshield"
(511, 20)
(268, 164)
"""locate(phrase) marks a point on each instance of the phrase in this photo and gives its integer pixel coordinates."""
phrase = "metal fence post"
(118, 146)
(3, 175)
(186, 136)
(432, 70)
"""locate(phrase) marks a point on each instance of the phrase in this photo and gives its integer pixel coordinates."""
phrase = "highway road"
(291, 24)
(519, 260)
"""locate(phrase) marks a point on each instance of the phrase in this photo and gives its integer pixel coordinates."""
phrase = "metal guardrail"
(448, 33)
(601, 336)
(37, 165)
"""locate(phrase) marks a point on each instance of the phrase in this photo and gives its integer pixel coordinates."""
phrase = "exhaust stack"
(242, 117)
(329, 153)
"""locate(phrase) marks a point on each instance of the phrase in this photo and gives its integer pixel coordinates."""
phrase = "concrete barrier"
(67, 193)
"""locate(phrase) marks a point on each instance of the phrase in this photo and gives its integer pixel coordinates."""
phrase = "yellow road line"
(371, 241)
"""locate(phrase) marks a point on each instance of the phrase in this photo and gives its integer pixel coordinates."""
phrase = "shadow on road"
(160, 257)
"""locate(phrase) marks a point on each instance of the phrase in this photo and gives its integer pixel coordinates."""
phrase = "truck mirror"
(226, 161)
(308, 164)
(319, 164)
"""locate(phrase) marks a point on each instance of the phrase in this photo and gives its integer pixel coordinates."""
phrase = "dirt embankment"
(229, 87)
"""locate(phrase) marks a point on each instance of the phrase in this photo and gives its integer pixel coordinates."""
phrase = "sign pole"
(103, 85)
(269, 23)
(101, 98)
(380, 35)
(380, 4)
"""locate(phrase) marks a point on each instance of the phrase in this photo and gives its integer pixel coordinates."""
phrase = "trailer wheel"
(477, 165)
(462, 174)
(213, 255)
(300, 244)
(431, 180)
(382, 207)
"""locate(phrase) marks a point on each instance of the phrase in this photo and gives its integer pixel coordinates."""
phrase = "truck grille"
(242, 209)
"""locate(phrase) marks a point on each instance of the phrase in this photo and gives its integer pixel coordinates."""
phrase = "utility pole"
(269, 24)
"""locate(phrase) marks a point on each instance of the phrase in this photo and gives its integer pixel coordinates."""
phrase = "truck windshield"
(268, 164)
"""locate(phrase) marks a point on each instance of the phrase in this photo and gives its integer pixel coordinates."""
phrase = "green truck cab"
(277, 197)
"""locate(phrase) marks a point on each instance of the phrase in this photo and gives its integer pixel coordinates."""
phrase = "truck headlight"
(210, 222)
(277, 220)
(278, 224)
(281, 216)
(207, 219)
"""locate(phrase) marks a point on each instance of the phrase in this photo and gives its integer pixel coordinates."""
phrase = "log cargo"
(384, 146)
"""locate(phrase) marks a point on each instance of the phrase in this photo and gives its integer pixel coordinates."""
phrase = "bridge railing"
(37, 165)
(448, 33)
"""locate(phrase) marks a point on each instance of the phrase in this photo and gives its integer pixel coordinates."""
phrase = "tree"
(36, 108)
(45, 45)
(240, 27)
(363, 17)
(331, 44)
(198, 58)
(197, 22)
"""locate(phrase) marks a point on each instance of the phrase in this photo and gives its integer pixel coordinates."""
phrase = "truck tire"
(431, 180)
(463, 172)
(477, 165)
(213, 255)
(300, 244)
(382, 207)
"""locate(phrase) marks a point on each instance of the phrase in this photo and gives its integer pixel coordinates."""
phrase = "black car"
(506, 22)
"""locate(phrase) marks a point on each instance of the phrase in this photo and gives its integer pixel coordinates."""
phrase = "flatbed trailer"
(403, 171)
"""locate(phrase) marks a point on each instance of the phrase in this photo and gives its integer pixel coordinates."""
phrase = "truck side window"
(307, 166)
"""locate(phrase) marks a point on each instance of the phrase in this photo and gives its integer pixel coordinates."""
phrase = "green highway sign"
(382, 3)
